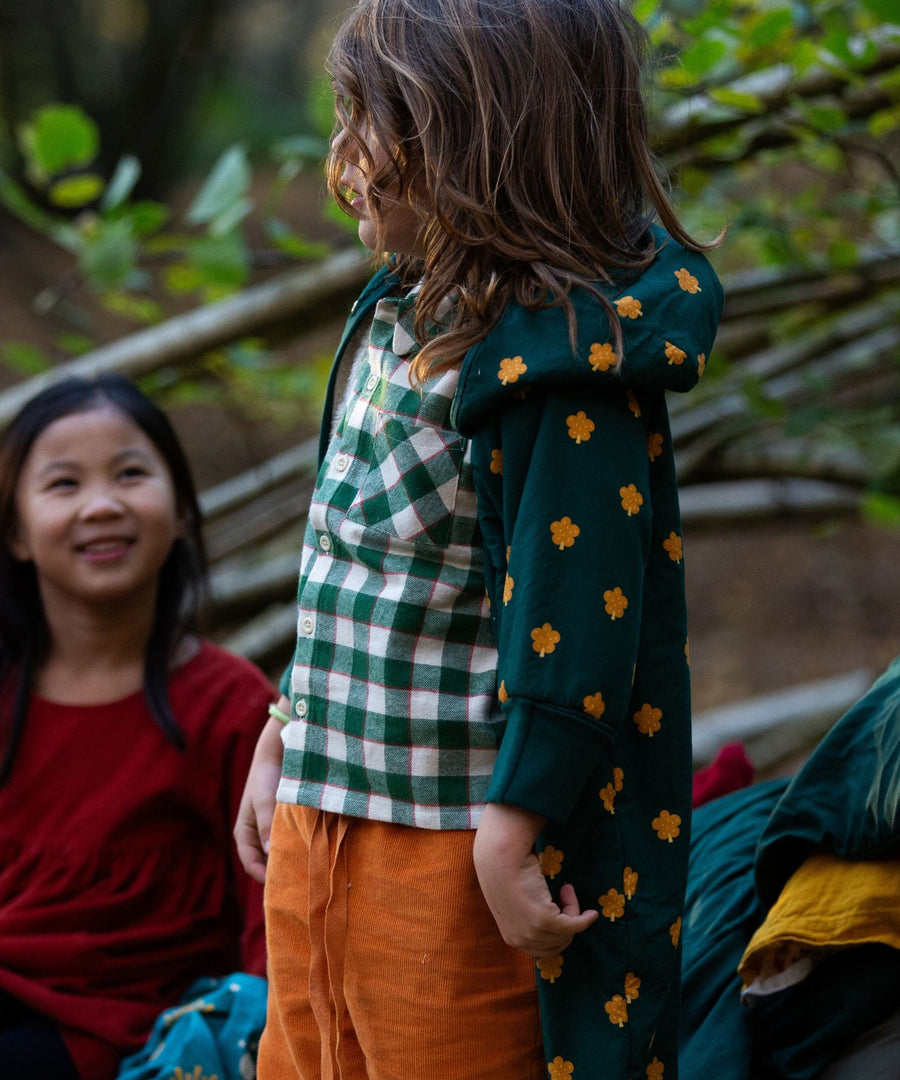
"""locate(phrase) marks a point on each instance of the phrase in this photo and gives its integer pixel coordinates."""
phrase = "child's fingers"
(568, 905)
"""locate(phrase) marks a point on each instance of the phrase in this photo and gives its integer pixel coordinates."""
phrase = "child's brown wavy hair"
(518, 128)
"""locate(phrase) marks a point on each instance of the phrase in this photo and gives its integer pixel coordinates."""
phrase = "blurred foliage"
(777, 119)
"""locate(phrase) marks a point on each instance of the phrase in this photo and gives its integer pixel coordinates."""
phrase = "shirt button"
(372, 382)
(307, 625)
(341, 462)
(325, 542)
(300, 707)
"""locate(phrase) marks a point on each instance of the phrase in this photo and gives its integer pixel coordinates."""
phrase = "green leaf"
(225, 189)
(75, 192)
(769, 27)
(743, 102)
(843, 254)
(759, 403)
(182, 278)
(137, 308)
(59, 137)
(702, 56)
(881, 509)
(146, 217)
(127, 174)
(221, 261)
(108, 254)
(885, 10)
(74, 344)
(286, 240)
(304, 147)
(24, 358)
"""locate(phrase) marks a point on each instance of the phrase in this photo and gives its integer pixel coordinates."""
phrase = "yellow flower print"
(550, 968)
(564, 532)
(608, 797)
(675, 931)
(666, 825)
(618, 778)
(687, 651)
(616, 1010)
(502, 694)
(674, 547)
(633, 404)
(196, 1073)
(654, 445)
(560, 1069)
(510, 369)
(675, 355)
(612, 905)
(594, 705)
(616, 602)
(655, 1069)
(508, 550)
(629, 882)
(701, 364)
(602, 357)
(580, 427)
(632, 499)
(550, 861)
(647, 719)
(687, 281)
(544, 639)
(497, 462)
(508, 586)
(632, 987)
(628, 308)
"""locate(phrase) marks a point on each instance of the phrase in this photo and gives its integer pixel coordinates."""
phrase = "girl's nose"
(101, 503)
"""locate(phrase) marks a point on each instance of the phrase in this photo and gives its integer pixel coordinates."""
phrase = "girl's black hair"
(24, 634)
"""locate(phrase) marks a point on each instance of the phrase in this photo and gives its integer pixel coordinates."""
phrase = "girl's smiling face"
(96, 511)
(402, 225)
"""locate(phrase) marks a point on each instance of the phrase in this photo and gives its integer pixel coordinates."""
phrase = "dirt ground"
(787, 602)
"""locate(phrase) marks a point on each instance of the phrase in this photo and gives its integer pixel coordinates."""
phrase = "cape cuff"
(546, 757)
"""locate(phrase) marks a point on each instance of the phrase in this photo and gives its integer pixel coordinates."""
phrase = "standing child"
(124, 740)
(492, 649)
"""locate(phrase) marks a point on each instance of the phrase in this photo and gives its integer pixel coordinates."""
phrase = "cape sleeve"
(564, 491)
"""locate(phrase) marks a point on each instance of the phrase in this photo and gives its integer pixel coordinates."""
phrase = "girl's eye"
(132, 472)
(60, 483)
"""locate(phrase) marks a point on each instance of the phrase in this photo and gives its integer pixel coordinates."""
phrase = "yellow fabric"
(828, 903)
(384, 960)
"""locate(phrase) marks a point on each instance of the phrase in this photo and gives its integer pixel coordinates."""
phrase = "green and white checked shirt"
(393, 684)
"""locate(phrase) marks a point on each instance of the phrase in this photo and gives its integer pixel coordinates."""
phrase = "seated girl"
(125, 740)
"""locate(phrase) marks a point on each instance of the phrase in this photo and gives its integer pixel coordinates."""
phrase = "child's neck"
(95, 656)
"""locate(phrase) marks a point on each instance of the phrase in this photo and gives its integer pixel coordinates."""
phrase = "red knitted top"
(119, 879)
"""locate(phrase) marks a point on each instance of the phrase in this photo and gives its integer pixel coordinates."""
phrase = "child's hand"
(254, 818)
(515, 888)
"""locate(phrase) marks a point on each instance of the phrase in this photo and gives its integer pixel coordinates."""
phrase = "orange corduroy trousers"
(384, 960)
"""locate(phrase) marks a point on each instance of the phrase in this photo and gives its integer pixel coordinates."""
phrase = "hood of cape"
(668, 315)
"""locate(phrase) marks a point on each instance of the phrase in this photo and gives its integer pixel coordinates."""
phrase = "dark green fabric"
(745, 847)
(606, 782)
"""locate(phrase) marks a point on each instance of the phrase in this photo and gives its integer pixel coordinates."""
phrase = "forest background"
(162, 211)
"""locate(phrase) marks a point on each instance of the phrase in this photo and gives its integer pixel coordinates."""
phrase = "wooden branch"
(185, 336)
(774, 455)
(700, 115)
(247, 586)
(775, 727)
(728, 502)
(239, 490)
(268, 638)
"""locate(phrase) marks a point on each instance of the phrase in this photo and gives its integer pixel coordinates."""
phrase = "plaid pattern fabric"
(394, 707)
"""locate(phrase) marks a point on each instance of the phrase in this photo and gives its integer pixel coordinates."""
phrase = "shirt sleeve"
(567, 484)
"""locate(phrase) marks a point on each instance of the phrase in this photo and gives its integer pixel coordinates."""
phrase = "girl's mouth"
(102, 550)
